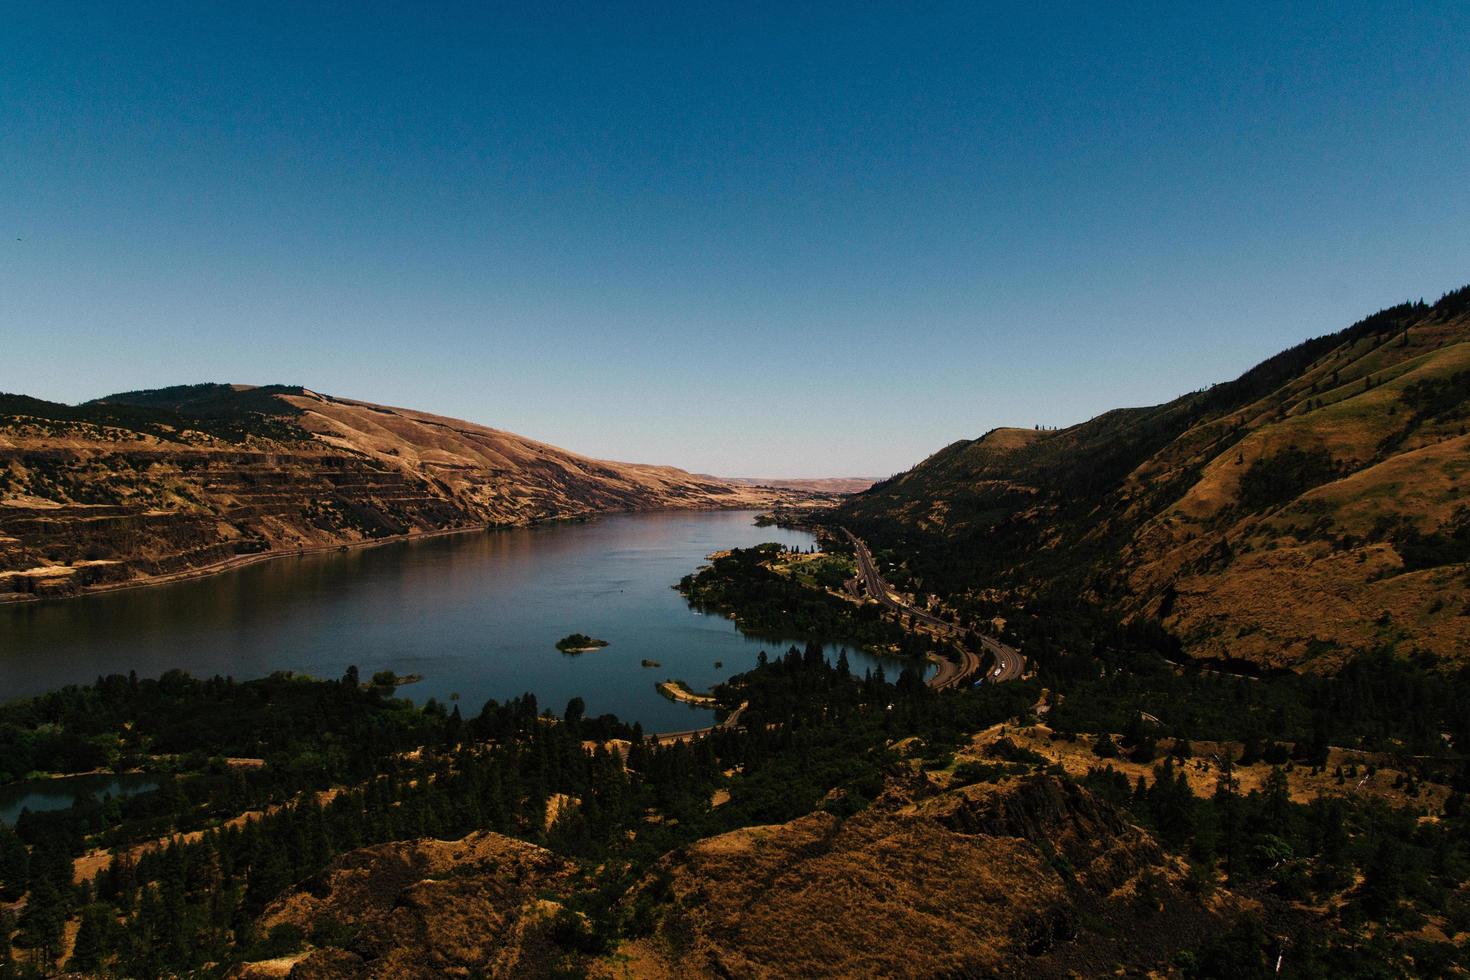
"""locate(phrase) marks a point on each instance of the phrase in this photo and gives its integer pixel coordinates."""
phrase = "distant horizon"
(757, 475)
(734, 240)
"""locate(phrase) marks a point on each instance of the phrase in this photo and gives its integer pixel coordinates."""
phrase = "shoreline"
(676, 690)
(244, 561)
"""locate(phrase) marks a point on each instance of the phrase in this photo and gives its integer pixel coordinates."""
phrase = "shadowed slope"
(1317, 503)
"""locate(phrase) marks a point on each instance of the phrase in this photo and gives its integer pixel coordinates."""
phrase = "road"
(1009, 662)
(669, 738)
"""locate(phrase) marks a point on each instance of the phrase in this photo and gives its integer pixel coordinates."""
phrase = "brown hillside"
(1318, 505)
(150, 485)
(830, 484)
(1033, 876)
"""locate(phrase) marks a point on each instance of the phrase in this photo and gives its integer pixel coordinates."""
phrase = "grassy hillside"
(1314, 506)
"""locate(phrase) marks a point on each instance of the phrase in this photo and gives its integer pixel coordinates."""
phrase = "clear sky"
(778, 240)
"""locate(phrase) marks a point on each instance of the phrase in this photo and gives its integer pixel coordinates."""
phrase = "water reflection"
(477, 615)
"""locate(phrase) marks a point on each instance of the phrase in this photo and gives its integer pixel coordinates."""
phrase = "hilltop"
(1315, 506)
(146, 485)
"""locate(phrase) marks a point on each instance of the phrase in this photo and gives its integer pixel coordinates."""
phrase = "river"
(477, 615)
(39, 795)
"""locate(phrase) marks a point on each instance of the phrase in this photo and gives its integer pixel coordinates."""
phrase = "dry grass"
(950, 885)
(1203, 772)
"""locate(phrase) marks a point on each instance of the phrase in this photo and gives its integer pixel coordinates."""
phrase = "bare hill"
(152, 484)
(830, 484)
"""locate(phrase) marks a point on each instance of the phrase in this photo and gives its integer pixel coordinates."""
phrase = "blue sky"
(746, 239)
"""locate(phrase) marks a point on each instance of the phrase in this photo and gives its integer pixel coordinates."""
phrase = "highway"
(669, 738)
(1009, 662)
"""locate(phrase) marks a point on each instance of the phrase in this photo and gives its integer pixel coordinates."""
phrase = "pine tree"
(14, 864)
(44, 918)
(1277, 803)
(1228, 810)
(94, 939)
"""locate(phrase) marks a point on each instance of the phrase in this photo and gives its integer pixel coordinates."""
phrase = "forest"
(328, 766)
(813, 728)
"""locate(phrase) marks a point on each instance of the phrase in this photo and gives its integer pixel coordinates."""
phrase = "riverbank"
(474, 614)
(236, 562)
(680, 691)
(244, 561)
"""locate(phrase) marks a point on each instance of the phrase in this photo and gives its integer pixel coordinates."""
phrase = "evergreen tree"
(7, 929)
(94, 939)
(14, 865)
(1227, 809)
(44, 918)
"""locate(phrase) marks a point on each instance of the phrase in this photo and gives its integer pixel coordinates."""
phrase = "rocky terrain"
(1033, 876)
(148, 485)
(423, 908)
(1317, 505)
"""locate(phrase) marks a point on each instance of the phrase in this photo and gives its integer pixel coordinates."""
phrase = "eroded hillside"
(1030, 877)
(152, 484)
(1315, 506)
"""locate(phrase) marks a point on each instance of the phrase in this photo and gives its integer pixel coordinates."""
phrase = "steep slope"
(425, 908)
(157, 483)
(1031, 877)
(1314, 506)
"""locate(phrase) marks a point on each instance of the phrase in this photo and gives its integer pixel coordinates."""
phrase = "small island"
(579, 643)
(388, 681)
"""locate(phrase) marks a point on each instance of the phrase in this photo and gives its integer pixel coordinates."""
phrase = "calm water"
(476, 614)
(39, 795)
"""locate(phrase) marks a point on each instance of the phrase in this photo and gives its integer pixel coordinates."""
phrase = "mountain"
(1315, 506)
(830, 484)
(150, 484)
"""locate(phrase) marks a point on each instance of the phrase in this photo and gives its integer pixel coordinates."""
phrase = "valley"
(1178, 691)
(155, 486)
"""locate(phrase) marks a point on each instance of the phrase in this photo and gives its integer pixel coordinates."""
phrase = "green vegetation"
(813, 736)
(209, 409)
(579, 643)
(1285, 476)
(190, 907)
(770, 604)
(1383, 872)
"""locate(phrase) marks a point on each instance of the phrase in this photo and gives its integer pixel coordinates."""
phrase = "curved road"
(1009, 662)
